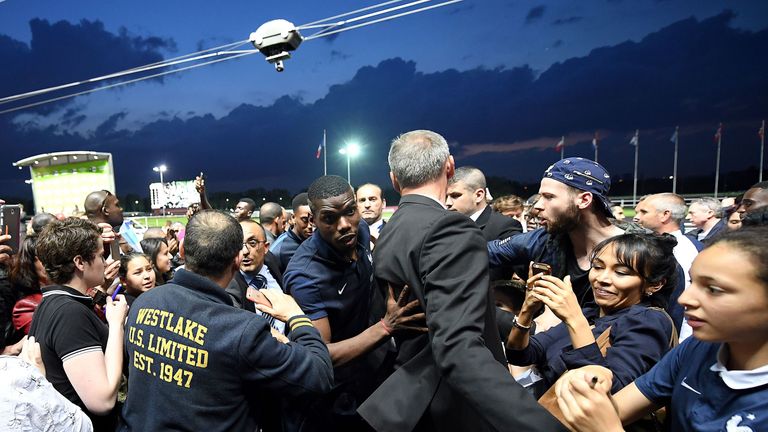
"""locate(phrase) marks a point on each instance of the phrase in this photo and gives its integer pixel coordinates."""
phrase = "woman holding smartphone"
(632, 276)
(715, 381)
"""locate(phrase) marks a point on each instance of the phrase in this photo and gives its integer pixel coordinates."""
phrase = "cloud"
(337, 55)
(63, 52)
(535, 14)
(692, 73)
(557, 44)
(569, 20)
(540, 143)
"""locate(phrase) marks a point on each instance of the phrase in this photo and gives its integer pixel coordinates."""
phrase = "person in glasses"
(259, 269)
(103, 207)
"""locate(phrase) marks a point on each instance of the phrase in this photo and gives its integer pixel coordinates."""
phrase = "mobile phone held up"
(10, 224)
(537, 268)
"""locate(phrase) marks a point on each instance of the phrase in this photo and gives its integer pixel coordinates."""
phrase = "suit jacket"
(496, 226)
(237, 288)
(717, 229)
(455, 377)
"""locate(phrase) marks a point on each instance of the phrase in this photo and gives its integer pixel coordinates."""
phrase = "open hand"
(399, 316)
(558, 295)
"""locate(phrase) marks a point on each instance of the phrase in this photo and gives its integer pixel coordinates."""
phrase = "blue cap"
(586, 175)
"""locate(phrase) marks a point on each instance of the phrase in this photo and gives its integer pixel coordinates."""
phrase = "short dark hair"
(61, 241)
(269, 212)
(751, 241)
(213, 239)
(251, 221)
(650, 255)
(760, 185)
(251, 203)
(300, 200)
(326, 187)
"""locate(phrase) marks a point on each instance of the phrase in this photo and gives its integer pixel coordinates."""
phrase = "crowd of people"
(460, 312)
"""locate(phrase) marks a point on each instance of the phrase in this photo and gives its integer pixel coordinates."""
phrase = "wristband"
(386, 327)
(517, 324)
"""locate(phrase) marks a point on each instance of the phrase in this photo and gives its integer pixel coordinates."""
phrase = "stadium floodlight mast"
(350, 150)
(274, 39)
(161, 169)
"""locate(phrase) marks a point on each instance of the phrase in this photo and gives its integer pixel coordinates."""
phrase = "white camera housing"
(275, 39)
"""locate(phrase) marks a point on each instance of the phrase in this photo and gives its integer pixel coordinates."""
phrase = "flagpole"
(596, 144)
(637, 152)
(562, 152)
(762, 150)
(325, 156)
(674, 164)
(717, 163)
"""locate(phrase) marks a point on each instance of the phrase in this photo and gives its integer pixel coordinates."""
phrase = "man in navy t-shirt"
(331, 278)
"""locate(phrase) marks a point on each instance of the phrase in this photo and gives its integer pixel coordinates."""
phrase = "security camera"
(275, 39)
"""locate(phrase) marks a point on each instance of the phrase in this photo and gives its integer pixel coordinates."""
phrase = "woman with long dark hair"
(626, 330)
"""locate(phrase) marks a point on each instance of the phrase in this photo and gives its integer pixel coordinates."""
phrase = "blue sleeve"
(510, 251)
(638, 341)
(296, 368)
(305, 291)
(657, 385)
(536, 351)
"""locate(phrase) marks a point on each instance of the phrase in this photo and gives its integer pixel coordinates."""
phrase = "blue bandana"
(585, 175)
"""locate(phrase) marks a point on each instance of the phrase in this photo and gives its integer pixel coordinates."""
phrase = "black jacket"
(238, 287)
(455, 377)
(496, 226)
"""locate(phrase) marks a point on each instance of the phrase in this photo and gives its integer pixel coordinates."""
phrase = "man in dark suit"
(259, 268)
(467, 195)
(455, 377)
(707, 215)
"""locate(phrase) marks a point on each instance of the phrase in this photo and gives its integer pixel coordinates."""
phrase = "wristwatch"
(517, 324)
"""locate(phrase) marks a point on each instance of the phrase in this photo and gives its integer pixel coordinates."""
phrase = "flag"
(673, 138)
(719, 132)
(319, 151)
(595, 141)
(635, 138)
(560, 144)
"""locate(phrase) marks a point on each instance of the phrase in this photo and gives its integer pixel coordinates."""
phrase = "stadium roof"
(61, 158)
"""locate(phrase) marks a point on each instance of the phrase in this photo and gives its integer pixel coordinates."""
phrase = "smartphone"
(256, 296)
(537, 268)
(114, 249)
(10, 224)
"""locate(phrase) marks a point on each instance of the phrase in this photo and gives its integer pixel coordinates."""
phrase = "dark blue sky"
(500, 79)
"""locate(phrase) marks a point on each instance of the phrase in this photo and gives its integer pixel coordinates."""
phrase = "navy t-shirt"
(699, 398)
(327, 284)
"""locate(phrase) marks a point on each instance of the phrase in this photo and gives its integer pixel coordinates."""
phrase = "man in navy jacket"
(197, 363)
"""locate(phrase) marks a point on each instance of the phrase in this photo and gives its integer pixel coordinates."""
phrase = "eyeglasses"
(253, 243)
(104, 202)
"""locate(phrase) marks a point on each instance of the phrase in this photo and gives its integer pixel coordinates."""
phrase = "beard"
(565, 222)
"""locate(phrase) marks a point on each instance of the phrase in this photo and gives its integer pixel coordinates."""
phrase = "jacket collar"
(420, 199)
(202, 284)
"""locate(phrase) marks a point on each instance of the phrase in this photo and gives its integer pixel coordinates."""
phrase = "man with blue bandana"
(575, 216)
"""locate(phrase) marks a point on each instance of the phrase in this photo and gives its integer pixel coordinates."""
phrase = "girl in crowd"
(715, 381)
(627, 331)
(136, 275)
(157, 250)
